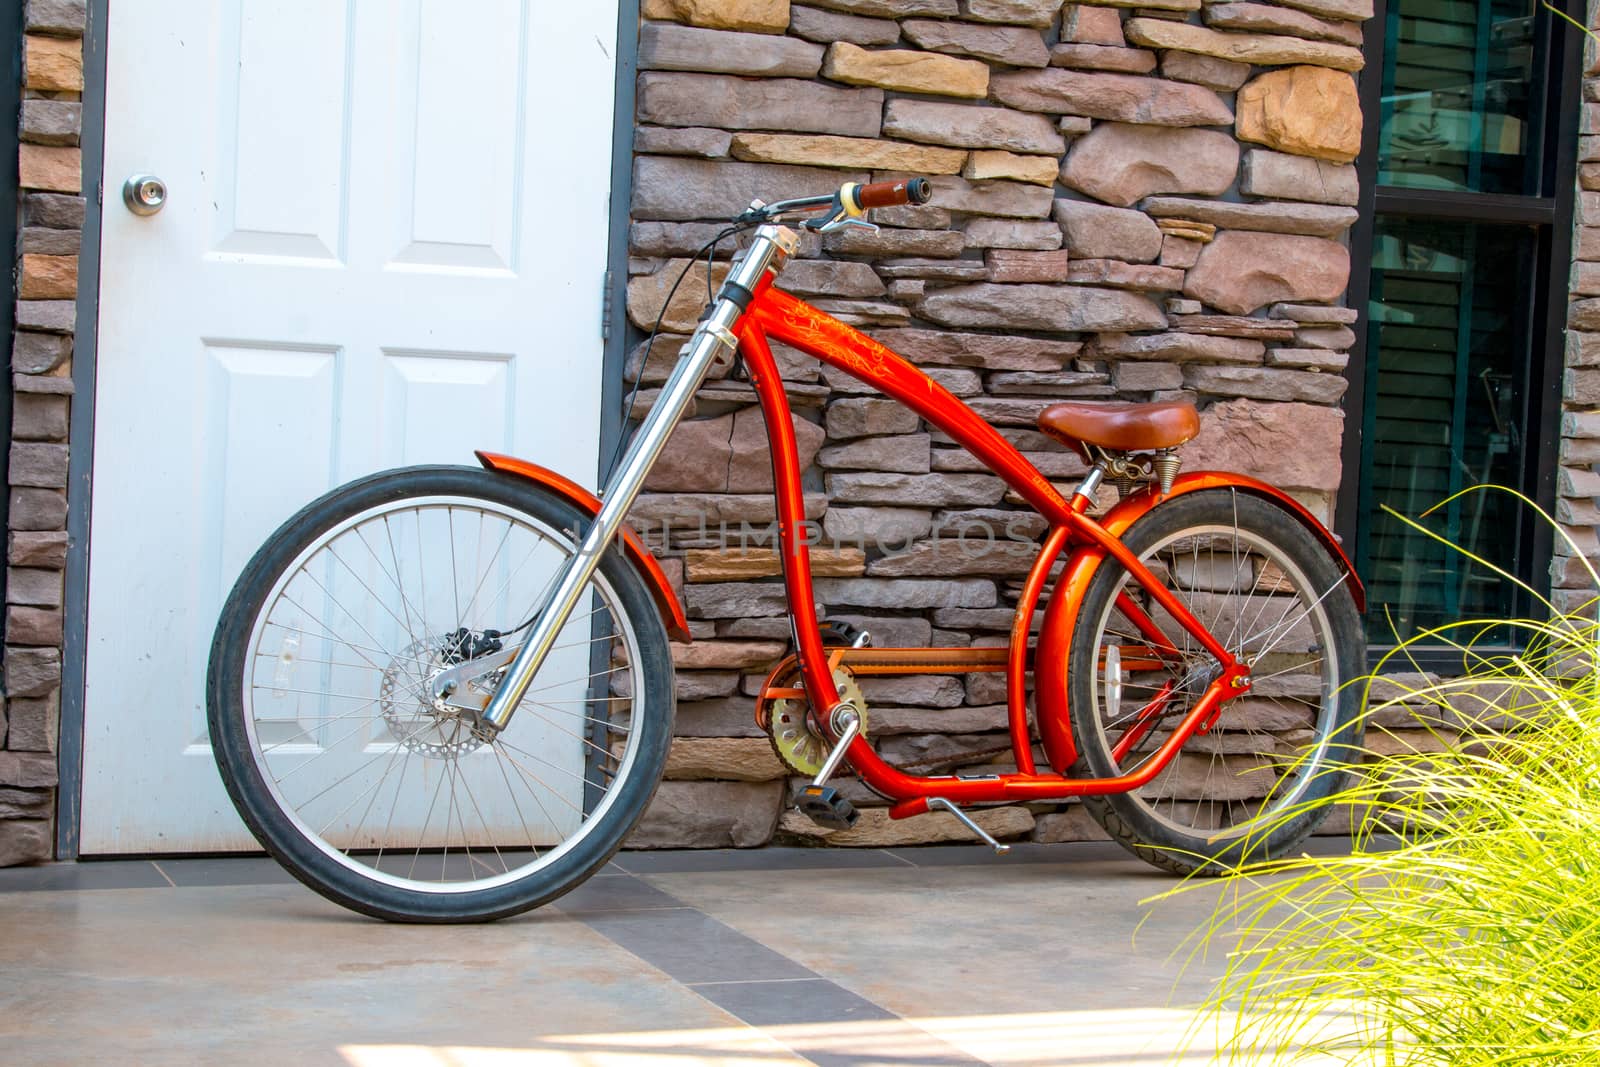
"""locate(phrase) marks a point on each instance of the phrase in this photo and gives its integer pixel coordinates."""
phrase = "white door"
(383, 244)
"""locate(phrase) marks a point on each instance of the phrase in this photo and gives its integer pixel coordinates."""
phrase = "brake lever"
(836, 223)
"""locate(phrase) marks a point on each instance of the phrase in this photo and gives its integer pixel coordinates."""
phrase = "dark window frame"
(1550, 210)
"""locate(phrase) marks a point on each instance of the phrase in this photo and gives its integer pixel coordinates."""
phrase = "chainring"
(800, 747)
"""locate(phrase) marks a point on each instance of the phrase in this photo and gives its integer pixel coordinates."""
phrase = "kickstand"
(988, 839)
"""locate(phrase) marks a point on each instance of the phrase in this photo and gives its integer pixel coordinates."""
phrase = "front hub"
(417, 718)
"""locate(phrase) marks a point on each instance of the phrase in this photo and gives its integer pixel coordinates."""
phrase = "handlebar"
(890, 194)
(850, 202)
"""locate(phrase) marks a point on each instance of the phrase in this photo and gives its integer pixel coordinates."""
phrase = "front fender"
(1055, 637)
(635, 551)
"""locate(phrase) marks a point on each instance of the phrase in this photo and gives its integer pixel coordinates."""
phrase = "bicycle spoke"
(394, 557)
(329, 635)
(478, 588)
(455, 588)
(338, 782)
(323, 830)
(355, 835)
(388, 827)
(348, 613)
(576, 736)
(363, 583)
(1305, 615)
(534, 777)
(524, 776)
(348, 738)
(488, 832)
(540, 759)
(1253, 599)
(422, 835)
(515, 803)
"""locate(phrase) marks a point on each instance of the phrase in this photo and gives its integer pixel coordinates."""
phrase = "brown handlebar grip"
(892, 194)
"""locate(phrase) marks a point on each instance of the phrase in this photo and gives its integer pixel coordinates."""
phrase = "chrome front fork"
(771, 247)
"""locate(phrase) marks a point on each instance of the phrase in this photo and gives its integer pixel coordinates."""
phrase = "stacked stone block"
(50, 172)
(1144, 200)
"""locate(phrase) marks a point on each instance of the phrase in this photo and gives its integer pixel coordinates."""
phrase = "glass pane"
(1457, 76)
(1447, 377)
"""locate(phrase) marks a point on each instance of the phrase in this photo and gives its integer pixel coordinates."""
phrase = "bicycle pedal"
(823, 805)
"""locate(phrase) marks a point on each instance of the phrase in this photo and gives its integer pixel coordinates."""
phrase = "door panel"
(282, 141)
(418, 385)
(462, 203)
(384, 240)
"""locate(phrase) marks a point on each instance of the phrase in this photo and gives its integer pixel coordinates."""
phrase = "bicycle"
(1200, 614)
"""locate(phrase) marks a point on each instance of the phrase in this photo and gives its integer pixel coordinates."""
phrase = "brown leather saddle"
(1121, 427)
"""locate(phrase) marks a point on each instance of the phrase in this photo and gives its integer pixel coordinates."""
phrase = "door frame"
(80, 463)
(12, 35)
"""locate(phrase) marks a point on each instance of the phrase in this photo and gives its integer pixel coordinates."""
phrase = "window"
(1469, 158)
(1458, 88)
(1444, 410)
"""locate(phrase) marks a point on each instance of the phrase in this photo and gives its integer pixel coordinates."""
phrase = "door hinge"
(605, 309)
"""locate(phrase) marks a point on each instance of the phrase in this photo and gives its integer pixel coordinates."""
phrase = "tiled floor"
(942, 955)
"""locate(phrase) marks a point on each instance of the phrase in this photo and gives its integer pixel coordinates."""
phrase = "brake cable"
(752, 217)
(709, 251)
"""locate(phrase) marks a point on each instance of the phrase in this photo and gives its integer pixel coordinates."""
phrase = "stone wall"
(1140, 201)
(1144, 200)
(52, 209)
(1578, 484)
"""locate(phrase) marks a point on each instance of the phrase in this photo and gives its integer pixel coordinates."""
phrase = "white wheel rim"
(351, 858)
(1255, 640)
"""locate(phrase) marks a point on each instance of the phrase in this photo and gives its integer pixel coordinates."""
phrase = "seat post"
(1090, 484)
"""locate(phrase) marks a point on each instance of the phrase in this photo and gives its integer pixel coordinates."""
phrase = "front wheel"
(355, 778)
(1261, 583)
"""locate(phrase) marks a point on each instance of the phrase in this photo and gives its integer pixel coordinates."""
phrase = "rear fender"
(633, 549)
(1055, 637)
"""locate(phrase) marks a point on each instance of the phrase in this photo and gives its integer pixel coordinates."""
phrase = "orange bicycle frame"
(773, 313)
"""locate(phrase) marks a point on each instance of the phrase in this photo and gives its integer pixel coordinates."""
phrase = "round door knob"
(145, 194)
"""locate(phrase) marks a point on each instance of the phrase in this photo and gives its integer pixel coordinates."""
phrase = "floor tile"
(955, 939)
(270, 975)
(755, 859)
(979, 855)
(617, 892)
(114, 874)
(692, 947)
(831, 1026)
(808, 1000)
(909, 962)
(252, 870)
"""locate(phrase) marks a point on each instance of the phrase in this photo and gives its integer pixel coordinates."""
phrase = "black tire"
(628, 769)
(1318, 643)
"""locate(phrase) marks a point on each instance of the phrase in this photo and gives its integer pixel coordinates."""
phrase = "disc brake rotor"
(800, 747)
(426, 727)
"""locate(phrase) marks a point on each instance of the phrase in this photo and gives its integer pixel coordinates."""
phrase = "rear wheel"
(361, 783)
(1264, 586)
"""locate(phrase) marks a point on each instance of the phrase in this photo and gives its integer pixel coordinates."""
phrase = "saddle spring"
(1130, 473)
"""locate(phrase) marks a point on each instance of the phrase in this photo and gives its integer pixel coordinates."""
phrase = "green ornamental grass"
(1463, 929)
